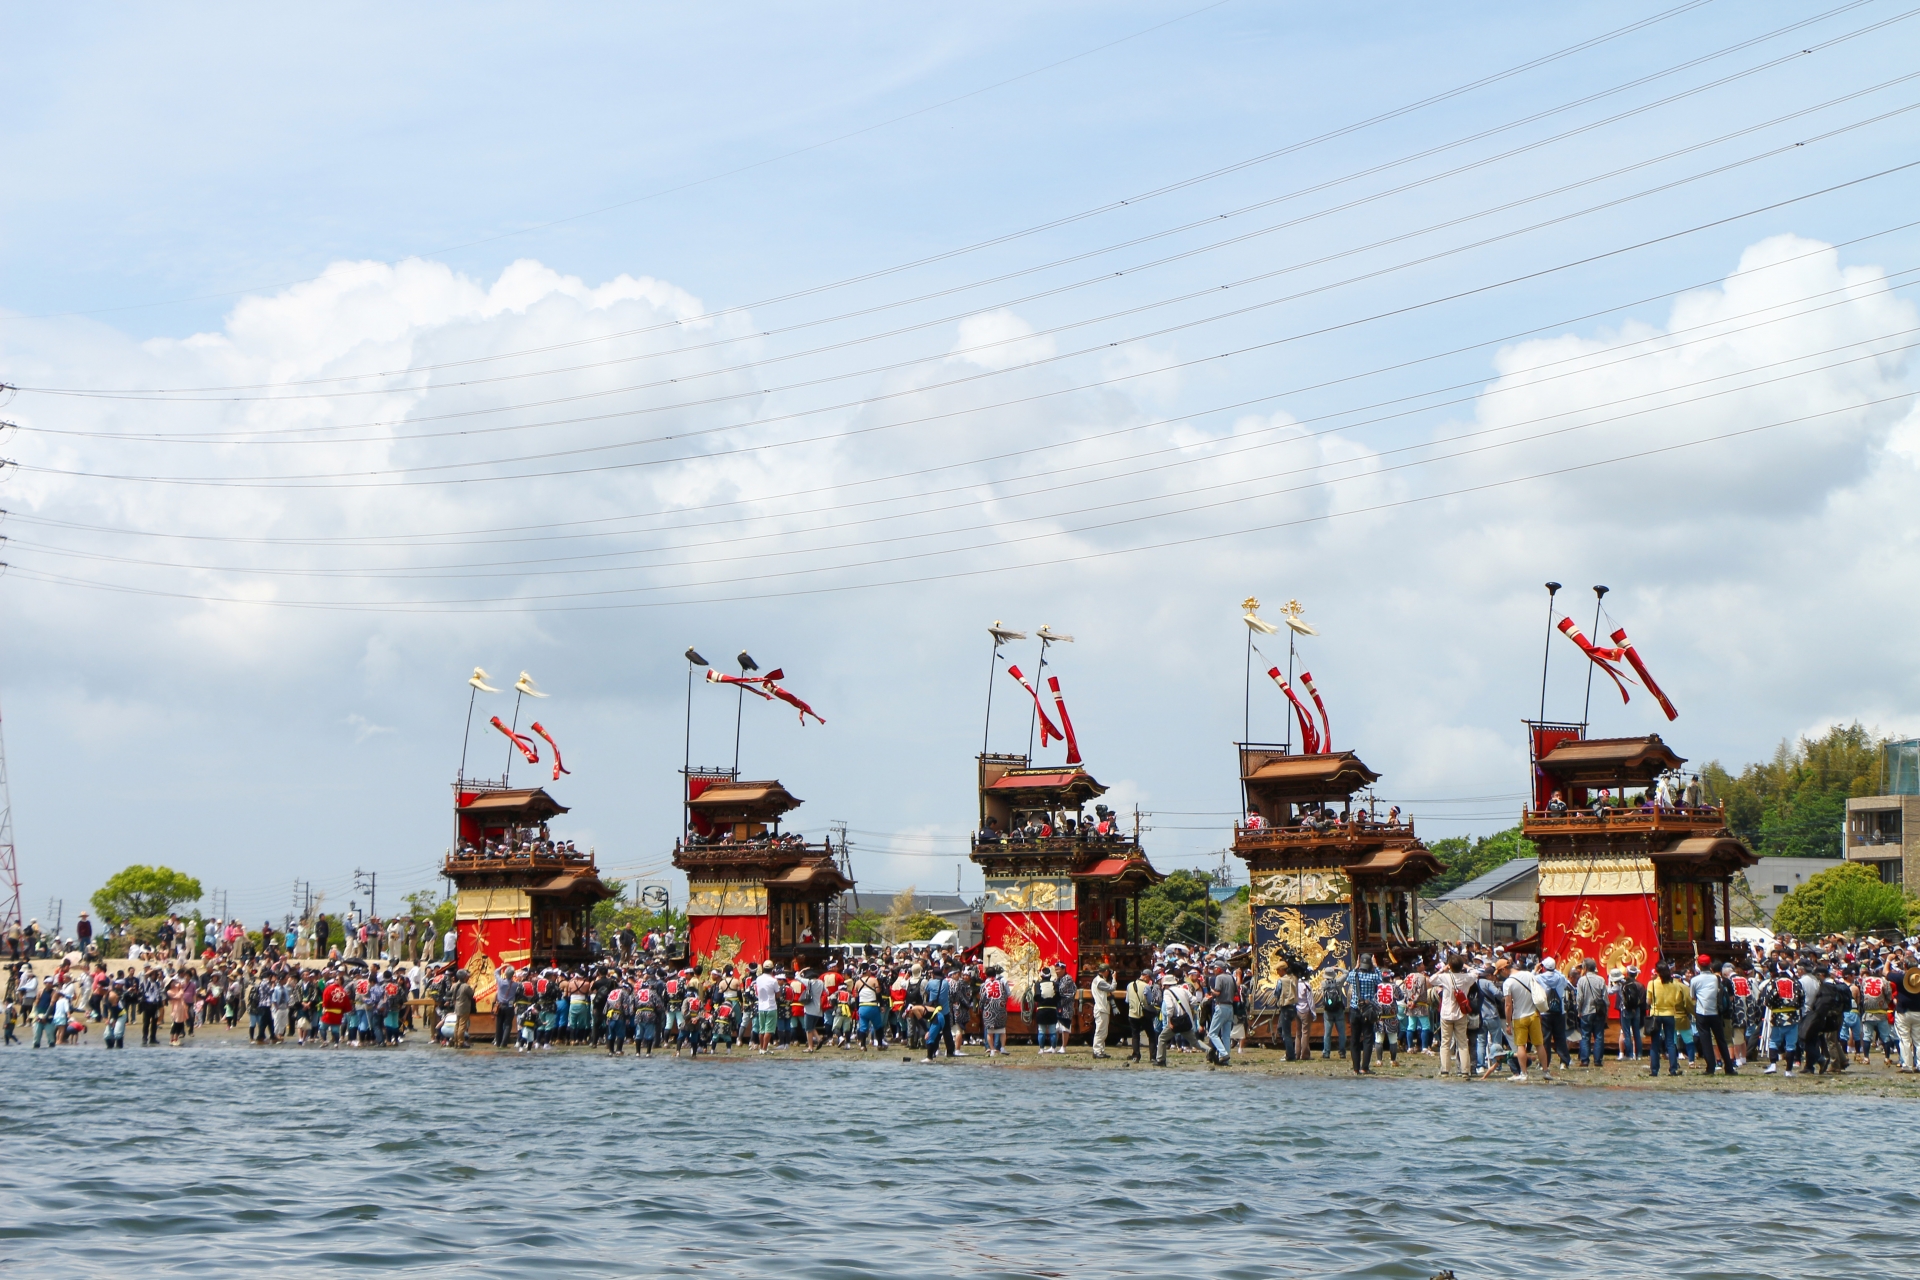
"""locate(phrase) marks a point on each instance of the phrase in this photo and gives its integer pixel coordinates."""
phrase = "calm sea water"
(216, 1161)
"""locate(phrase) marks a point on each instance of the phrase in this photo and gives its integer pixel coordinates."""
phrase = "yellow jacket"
(1669, 999)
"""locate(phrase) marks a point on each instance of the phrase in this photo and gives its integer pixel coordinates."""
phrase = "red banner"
(1615, 929)
(1545, 738)
(704, 934)
(1029, 939)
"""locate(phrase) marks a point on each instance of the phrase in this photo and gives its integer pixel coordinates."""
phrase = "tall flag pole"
(478, 682)
(739, 706)
(1553, 589)
(1297, 626)
(522, 688)
(1000, 636)
(1586, 707)
(1047, 637)
(1250, 614)
(694, 661)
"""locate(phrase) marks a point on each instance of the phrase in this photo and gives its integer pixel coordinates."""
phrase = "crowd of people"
(1481, 1012)
(1819, 1006)
(526, 840)
(1102, 824)
(345, 1001)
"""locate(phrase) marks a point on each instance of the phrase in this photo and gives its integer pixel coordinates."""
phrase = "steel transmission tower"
(10, 913)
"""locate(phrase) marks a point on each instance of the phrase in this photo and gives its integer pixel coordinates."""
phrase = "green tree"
(1236, 917)
(1803, 913)
(1795, 804)
(1180, 909)
(140, 891)
(862, 926)
(1854, 906)
(1464, 859)
(919, 927)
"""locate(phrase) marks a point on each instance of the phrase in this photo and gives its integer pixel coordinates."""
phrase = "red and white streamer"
(1309, 736)
(1602, 658)
(1060, 704)
(527, 749)
(1625, 646)
(1306, 682)
(558, 768)
(1047, 731)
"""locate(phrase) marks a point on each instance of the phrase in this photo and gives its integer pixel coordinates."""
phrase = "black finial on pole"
(1553, 589)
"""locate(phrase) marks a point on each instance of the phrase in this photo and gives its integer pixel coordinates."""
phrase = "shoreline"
(1869, 1080)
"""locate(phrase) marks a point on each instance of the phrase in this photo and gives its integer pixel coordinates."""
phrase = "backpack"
(1335, 996)
(1553, 1004)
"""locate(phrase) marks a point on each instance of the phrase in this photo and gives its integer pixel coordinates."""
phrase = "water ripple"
(582, 1165)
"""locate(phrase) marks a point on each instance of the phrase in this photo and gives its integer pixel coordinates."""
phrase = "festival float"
(1328, 876)
(523, 896)
(1623, 882)
(1062, 882)
(754, 892)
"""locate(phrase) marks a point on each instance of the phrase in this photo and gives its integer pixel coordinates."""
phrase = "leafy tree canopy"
(1854, 892)
(1180, 909)
(143, 891)
(1464, 859)
(919, 927)
(1795, 804)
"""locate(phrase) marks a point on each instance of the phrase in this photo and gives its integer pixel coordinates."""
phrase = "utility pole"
(847, 903)
(56, 909)
(364, 881)
(11, 912)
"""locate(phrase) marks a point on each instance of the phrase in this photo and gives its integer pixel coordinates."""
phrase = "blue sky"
(601, 214)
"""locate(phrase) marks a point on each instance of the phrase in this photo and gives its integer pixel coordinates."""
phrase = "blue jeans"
(1593, 1037)
(1662, 1033)
(1880, 1032)
(1630, 1026)
(1783, 1040)
(1220, 1030)
(1333, 1027)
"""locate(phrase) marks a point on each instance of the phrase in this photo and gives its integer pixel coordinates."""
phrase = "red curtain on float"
(1545, 738)
(1616, 929)
(704, 934)
(503, 941)
(1053, 935)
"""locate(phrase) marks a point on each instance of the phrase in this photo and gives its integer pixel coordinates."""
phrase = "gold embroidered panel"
(1043, 893)
(492, 904)
(1574, 877)
(727, 898)
(1298, 888)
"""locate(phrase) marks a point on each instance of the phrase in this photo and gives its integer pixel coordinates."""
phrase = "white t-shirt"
(1520, 991)
(766, 993)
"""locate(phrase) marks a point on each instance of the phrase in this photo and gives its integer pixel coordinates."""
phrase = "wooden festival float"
(755, 892)
(523, 896)
(1625, 882)
(1328, 877)
(1062, 883)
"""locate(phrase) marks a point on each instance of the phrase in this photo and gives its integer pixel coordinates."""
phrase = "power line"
(310, 480)
(190, 394)
(708, 561)
(1165, 189)
(521, 603)
(464, 537)
(1585, 364)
